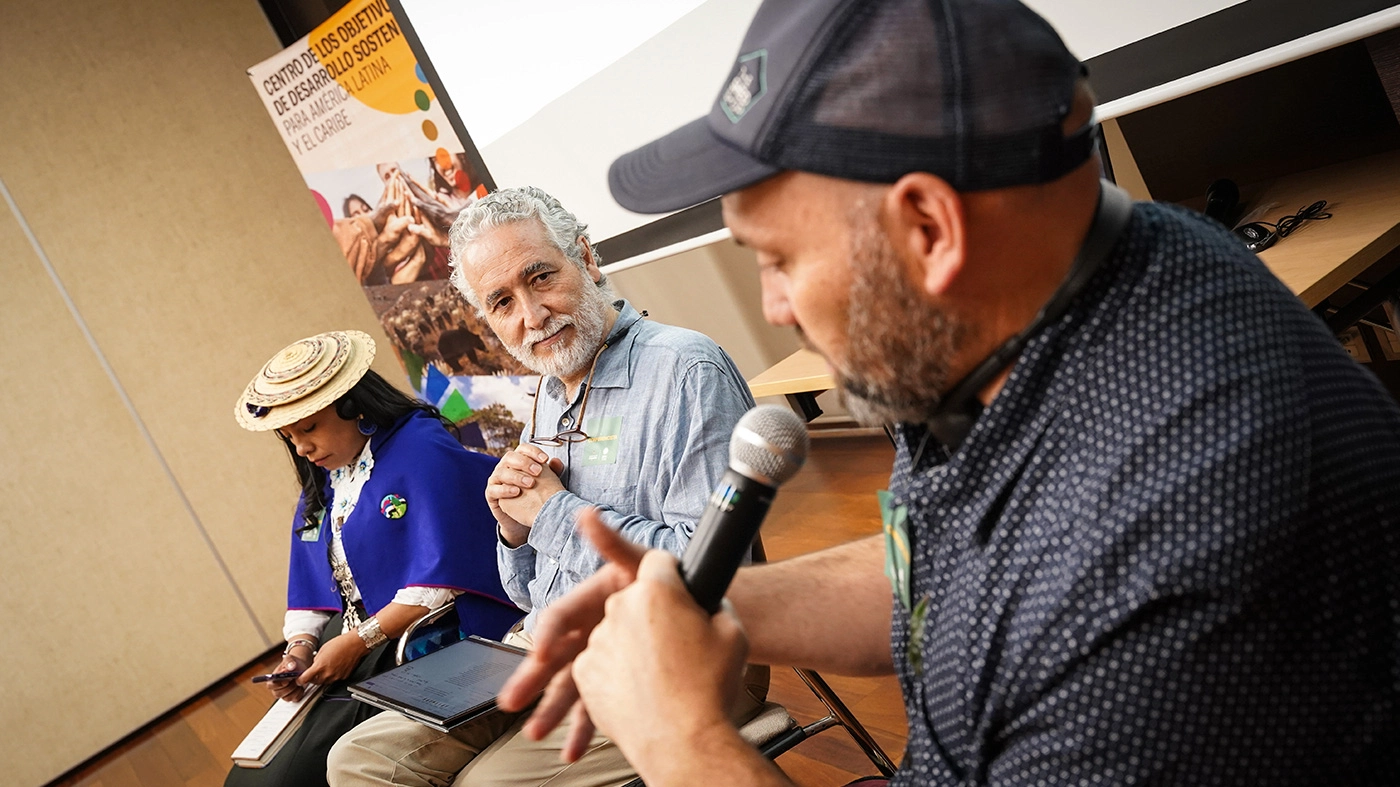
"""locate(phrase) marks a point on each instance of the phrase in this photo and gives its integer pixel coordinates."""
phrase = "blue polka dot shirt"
(1167, 553)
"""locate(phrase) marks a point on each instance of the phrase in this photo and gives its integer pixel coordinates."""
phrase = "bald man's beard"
(898, 345)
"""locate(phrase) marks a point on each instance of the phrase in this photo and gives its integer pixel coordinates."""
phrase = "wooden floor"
(831, 501)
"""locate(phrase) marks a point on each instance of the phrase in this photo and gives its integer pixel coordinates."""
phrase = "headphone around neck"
(956, 414)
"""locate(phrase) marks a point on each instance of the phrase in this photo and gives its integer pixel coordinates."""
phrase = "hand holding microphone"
(632, 670)
(768, 447)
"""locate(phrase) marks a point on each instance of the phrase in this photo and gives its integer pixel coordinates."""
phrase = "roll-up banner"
(390, 176)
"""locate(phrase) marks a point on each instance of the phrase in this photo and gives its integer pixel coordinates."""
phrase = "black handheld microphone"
(767, 448)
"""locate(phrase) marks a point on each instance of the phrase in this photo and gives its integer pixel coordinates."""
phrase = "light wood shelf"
(1363, 197)
(801, 372)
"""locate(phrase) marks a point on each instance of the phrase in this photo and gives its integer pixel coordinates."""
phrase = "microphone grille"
(769, 444)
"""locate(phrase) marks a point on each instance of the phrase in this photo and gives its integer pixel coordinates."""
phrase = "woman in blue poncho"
(392, 522)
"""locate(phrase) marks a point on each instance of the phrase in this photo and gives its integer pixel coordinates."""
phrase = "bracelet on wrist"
(309, 643)
(370, 633)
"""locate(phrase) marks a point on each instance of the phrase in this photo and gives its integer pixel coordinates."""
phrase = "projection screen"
(551, 91)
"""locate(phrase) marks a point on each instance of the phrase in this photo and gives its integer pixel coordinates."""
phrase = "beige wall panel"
(714, 290)
(1125, 168)
(140, 153)
(114, 608)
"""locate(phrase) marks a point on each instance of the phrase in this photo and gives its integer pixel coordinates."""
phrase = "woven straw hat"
(304, 378)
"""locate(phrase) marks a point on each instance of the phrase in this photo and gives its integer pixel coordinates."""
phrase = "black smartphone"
(276, 676)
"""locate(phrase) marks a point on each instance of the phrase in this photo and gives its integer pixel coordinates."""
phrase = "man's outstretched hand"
(660, 673)
(561, 633)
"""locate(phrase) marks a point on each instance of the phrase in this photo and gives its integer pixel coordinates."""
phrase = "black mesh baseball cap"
(973, 91)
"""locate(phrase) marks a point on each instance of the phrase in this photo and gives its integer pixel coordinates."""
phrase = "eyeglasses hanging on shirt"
(576, 433)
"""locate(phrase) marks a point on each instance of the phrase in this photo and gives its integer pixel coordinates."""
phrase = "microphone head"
(769, 445)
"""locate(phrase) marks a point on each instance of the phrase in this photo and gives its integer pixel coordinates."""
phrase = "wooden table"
(1317, 259)
(799, 377)
(804, 370)
(1363, 197)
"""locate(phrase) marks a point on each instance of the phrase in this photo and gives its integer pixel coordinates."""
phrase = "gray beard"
(588, 320)
(898, 344)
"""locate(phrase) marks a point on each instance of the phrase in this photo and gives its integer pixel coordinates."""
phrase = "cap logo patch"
(747, 86)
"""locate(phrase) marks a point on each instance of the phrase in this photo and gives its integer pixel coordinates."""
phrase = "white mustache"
(556, 324)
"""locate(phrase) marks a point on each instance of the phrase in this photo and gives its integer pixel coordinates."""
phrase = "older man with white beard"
(631, 417)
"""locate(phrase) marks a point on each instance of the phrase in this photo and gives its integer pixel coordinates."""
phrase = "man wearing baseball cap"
(1142, 524)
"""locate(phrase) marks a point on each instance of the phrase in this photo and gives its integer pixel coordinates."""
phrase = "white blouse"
(346, 483)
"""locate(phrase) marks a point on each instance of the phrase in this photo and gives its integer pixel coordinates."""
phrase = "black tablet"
(446, 688)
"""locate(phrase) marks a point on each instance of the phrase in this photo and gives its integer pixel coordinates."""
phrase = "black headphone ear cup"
(1223, 201)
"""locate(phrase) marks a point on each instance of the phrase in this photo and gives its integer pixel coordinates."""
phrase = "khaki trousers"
(391, 749)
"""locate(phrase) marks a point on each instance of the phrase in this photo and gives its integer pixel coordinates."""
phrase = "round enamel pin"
(393, 507)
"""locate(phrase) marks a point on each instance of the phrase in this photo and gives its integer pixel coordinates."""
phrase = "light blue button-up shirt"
(664, 402)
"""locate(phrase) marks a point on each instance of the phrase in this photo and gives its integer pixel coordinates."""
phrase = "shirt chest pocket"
(620, 497)
(611, 485)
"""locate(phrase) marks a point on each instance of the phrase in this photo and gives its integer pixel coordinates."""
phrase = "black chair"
(773, 731)
(434, 630)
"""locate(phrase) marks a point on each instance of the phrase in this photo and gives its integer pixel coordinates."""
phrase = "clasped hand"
(518, 488)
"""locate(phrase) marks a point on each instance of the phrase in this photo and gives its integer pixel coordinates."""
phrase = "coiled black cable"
(1286, 225)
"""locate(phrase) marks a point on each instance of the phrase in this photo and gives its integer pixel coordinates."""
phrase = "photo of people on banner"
(401, 236)
(366, 131)
(391, 221)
